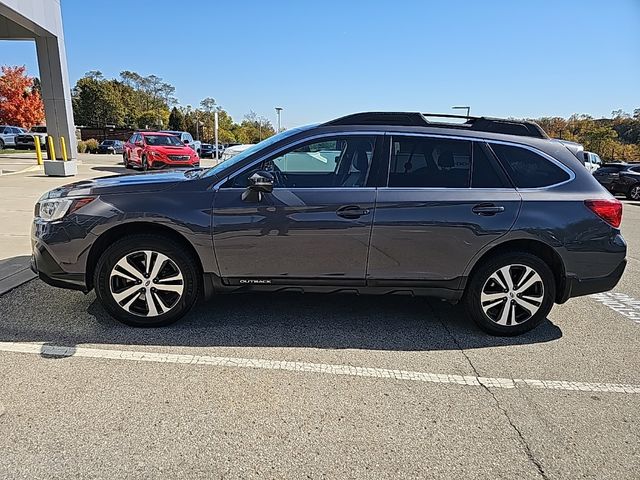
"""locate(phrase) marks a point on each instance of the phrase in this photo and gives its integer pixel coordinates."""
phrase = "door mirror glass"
(186, 141)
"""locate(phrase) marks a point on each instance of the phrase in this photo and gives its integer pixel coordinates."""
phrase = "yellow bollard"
(38, 150)
(52, 151)
(63, 146)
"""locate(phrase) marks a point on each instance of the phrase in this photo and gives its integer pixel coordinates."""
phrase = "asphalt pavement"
(319, 386)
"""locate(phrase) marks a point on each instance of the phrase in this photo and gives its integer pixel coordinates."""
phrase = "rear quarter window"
(527, 169)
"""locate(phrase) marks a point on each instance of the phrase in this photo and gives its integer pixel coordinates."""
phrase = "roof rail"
(523, 128)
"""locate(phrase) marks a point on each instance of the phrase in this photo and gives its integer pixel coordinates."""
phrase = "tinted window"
(155, 140)
(429, 162)
(486, 173)
(528, 169)
(635, 169)
(335, 162)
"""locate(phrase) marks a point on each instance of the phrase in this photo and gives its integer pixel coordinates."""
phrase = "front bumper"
(53, 256)
(48, 270)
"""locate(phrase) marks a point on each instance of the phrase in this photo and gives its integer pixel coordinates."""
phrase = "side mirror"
(185, 141)
(259, 183)
(139, 143)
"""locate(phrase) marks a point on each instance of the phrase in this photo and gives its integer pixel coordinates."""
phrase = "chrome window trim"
(537, 151)
(262, 158)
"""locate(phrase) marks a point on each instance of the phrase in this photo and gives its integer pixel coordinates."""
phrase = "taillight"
(609, 210)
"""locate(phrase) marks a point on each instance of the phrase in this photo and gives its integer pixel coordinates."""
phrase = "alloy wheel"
(512, 295)
(146, 283)
(634, 193)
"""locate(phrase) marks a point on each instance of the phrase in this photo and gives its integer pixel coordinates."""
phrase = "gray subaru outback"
(488, 212)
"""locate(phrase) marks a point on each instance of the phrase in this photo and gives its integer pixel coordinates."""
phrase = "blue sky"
(320, 60)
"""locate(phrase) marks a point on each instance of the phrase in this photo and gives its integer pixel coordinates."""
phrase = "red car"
(158, 150)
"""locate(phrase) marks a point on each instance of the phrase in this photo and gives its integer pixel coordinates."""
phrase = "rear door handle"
(487, 209)
(352, 211)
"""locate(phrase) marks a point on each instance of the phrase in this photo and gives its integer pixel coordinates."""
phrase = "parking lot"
(315, 386)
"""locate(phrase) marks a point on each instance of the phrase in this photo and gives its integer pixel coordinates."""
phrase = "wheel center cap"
(511, 294)
(147, 283)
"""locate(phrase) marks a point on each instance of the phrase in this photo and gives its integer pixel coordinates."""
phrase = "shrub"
(92, 145)
(82, 146)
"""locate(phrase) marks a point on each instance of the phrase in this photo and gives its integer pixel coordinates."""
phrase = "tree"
(97, 102)
(20, 103)
(176, 120)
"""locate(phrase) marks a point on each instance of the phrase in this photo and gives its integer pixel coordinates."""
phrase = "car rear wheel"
(510, 294)
(634, 192)
(1, 144)
(146, 281)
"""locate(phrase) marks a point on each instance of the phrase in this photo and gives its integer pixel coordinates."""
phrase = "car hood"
(177, 150)
(135, 183)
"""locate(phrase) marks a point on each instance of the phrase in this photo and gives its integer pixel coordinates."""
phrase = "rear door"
(445, 200)
(314, 227)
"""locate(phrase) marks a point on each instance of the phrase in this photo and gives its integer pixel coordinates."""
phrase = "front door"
(315, 225)
(438, 211)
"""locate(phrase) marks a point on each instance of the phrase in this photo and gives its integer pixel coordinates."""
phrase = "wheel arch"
(133, 228)
(536, 247)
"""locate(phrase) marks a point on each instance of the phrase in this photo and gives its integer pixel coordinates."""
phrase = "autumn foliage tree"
(20, 102)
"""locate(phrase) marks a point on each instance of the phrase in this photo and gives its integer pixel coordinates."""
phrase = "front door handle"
(352, 211)
(487, 209)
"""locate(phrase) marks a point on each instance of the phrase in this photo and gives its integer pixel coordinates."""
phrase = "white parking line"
(621, 303)
(329, 369)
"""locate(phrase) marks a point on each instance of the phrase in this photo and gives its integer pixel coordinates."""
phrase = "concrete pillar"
(56, 92)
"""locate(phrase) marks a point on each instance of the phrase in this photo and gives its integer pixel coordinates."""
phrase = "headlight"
(155, 153)
(55, 208)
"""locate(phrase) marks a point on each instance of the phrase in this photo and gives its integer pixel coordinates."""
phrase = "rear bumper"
(577, 287)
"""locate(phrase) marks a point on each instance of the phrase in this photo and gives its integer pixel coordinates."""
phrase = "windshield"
(39, 129)
(155, 140)
(107, 142)
(257, 147)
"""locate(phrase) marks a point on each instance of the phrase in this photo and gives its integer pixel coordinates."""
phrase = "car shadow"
(39, 313)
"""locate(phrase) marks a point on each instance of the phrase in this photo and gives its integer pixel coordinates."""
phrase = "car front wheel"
(510, 294)
(146, 281)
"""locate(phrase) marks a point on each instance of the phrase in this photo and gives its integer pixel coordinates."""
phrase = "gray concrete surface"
(119, 415)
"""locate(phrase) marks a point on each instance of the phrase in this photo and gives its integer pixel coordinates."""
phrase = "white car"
(591, 161)
(8, 135)
(187, 139)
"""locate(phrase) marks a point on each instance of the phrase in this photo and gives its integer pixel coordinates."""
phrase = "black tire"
(634, 192)
(1, 144)
(125, 160)
(145, 163)
(517, 321)
(104, 281)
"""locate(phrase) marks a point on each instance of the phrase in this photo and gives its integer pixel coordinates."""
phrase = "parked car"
(27, 140)
(187, 139)
(592, 161)
(8, 135)
(620, 178)
(490, 213)
(111, 147)
(208, 150)
(234, 150)
(153, 150)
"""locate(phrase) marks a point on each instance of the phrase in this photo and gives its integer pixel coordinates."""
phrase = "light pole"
(467, 108)
(278, 111)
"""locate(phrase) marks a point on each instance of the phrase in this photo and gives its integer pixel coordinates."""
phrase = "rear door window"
(429, 162)
(528, 169)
